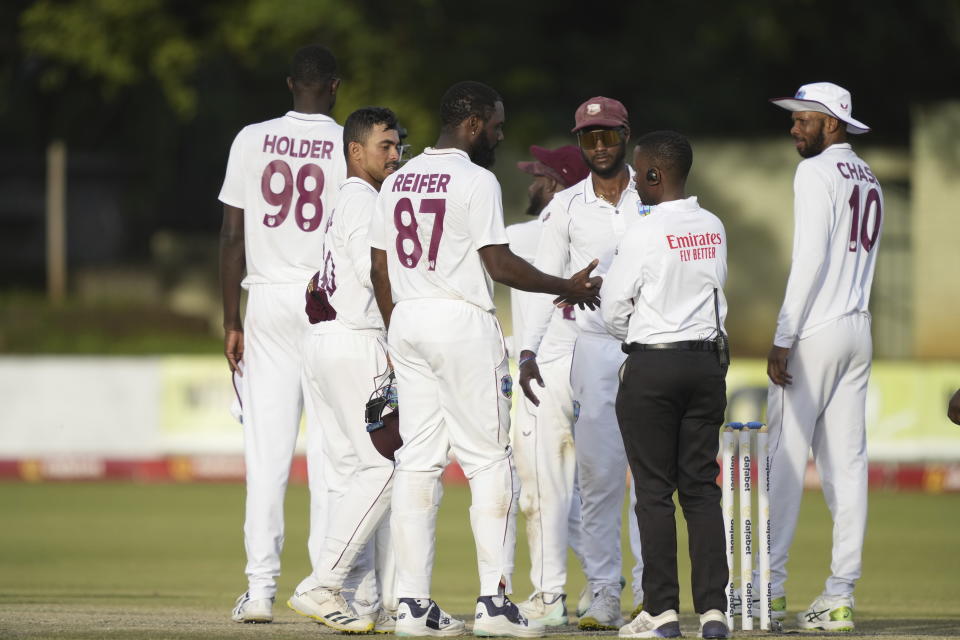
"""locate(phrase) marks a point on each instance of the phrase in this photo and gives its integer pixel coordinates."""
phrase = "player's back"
(432, 216)
(284, 174)
(853, 231)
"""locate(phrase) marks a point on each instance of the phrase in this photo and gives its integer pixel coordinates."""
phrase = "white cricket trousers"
(341, 369)
(601, 460)
(544, 454)
(824, 408)
(454, 387)
(272, 398)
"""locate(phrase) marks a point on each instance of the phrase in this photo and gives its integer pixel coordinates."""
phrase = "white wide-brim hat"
(824, 97)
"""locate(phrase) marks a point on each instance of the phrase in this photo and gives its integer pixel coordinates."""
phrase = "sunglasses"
(609, 138)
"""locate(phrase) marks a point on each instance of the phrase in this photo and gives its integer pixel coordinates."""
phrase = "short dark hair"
(361, 122)
(669, 149)
(465, 99)
(313, 65)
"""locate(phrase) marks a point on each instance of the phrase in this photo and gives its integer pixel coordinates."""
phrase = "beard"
(537, 203)
(814, 146)
(614, 168)
(483, 152)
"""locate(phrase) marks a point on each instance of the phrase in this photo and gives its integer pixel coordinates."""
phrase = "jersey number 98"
(284, 198)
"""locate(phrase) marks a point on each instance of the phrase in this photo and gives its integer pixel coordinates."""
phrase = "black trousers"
(670, 406)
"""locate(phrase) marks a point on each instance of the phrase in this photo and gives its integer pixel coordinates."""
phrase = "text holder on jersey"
(409, 246)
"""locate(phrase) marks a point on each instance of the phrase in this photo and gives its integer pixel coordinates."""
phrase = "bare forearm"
(232, 267)
(382, 291)
(507, 268)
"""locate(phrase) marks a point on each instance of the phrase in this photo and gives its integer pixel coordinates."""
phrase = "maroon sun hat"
(600, 112)
(564, 164)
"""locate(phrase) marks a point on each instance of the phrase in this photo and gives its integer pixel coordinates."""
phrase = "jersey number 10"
(858, 227)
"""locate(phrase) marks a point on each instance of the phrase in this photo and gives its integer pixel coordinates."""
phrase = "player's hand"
(953, 409)
(583, 290)
(530, 371)
(777, 366)
(233, 349)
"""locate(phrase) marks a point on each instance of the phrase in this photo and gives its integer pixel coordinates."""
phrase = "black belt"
(683, 345)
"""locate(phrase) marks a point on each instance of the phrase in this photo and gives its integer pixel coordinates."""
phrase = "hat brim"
(609, 123)
(794, 104)
(533, 167)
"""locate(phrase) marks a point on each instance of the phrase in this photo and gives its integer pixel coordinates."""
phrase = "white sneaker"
(713, 624)
(386, 621)
(549, 609)
(247, 610)
(828, 613)
(603, 612)
(665, 625)
(424, 617)
(503, 620)
(586, 597)
(328, 607)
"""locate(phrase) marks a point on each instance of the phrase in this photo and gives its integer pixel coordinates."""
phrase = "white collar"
(312, 117)
(431, 151)
(357, 180)
(590, 196)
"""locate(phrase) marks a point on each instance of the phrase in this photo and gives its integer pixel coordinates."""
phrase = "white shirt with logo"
(578, 226)
(660, 285)
(562, 331)
(345, 274)
(284, 174)
(431, 218)
(838, 220)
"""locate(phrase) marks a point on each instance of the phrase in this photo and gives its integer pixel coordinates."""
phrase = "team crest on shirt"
(643, 209)
(576, 410)
(506, 386)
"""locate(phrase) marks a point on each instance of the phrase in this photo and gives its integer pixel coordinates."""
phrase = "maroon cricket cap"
(564, 164)
(600, 112)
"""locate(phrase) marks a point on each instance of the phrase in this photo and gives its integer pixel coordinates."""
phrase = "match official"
(663, 297)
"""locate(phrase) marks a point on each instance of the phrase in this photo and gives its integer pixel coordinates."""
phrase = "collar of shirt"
(677, 206)
(430, 151)
(312, 117)
(357, 180)
(590, 196)
(839, 146)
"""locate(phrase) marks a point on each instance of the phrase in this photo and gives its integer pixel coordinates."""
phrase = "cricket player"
(581, 222)
(437, 239)
(663, 297)
(280, 183)
(344, 359)
(542, 435)
(819, 363)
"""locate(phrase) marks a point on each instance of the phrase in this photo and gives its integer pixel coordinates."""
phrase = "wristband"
(523, 361)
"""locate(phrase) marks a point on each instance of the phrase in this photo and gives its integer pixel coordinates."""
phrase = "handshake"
(583, 290)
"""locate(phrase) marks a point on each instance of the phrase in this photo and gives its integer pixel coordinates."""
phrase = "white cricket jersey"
(838, 219)
(431, 218)
(562, 332)
(578, 227)
(345, 274)
(660, 286)
(284, 174)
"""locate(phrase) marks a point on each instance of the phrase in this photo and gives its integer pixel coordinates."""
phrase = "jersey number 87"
(409, 248)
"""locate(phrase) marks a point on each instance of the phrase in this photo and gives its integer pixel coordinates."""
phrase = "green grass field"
(166, 561)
